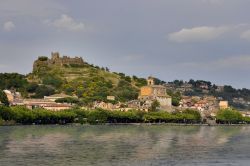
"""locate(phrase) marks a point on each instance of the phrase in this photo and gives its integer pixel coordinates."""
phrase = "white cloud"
(245, 35)
(67, 23)
(8, 26)
(198, 34)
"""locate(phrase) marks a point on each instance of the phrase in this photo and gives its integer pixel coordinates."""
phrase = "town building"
(153, 92)
(245, 113)
(206, 105)
(56, 97)
(14, 98)
(106, 106)
(223, 104)
(112, 98)
(45, 104)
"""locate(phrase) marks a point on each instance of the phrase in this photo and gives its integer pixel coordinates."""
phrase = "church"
(153, 92)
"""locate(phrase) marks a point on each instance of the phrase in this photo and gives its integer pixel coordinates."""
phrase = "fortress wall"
(56, 60)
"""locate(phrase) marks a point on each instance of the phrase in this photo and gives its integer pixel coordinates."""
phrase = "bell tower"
(151, 81)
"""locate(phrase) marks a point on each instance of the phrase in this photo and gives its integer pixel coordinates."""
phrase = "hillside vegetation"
(88, 82)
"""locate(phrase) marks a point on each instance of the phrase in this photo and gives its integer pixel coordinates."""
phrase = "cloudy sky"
(169, 39)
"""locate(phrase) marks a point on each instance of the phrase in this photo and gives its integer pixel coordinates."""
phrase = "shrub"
(42, 58)
(97, 116)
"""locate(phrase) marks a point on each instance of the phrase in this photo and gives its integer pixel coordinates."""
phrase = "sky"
(168, 39)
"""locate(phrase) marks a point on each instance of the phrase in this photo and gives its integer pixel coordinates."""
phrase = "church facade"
(153, 92)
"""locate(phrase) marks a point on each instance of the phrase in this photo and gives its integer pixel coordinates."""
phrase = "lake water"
(125, 145)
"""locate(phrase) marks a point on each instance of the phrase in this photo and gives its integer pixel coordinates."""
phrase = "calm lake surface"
(124, 145)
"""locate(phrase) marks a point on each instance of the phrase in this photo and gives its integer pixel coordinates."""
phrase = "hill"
(73, 76)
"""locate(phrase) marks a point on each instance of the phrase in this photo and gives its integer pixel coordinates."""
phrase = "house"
(9, 95)
(201, 105)
(245, 113)
(112, 98)
(46, 104)
(206, 105)
(106, 106)
(219, 89)
(223, 104)
(14, 97)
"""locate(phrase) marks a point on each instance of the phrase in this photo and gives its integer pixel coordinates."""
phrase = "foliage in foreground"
(230, 116)
(23, 115)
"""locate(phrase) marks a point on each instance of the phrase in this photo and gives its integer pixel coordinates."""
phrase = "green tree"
(43, 90)
(42, 58)
(31, 88)
(229, 116)
(155, 104)
(12, 80)
(6, 113)
(176, 97)
(52, 80)
(3, 98)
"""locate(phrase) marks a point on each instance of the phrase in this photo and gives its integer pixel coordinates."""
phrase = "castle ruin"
(57, 61)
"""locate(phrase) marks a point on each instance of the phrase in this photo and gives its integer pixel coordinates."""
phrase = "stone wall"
(56, 60)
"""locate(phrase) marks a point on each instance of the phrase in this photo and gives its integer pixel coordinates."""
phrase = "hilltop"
(74, 76)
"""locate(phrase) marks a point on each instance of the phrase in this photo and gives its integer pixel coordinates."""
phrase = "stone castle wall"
(56, 60)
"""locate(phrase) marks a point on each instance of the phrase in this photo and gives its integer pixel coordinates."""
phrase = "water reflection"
(124, 145)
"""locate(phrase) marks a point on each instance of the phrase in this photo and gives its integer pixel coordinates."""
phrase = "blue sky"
(169, 39)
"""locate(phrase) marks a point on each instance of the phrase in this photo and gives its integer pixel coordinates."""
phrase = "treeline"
(22, 115)
(230, 116)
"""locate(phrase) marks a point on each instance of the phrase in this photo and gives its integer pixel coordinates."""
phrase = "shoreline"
(127, 124)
